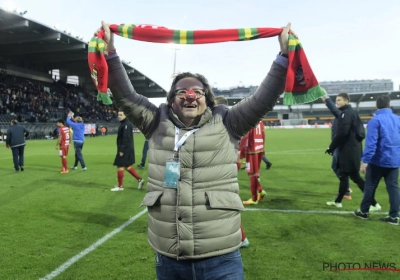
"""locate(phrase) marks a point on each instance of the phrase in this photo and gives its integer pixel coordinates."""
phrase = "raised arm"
(248, 112)
(137, 108)
(331, 106)
(70, 122)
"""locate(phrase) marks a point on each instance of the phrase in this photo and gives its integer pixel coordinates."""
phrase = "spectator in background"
(92, 132)
(268, 164)
(144, 153)
(335, 167)
(16, 135)
(79, 139)
(125, 156)
(381, 158)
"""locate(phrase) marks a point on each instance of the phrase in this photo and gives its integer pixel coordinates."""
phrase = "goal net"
(295, 122)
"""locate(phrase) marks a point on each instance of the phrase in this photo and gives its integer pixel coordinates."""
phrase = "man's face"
(340, 102)
(185, 110)
(59, 124)
(121, 116)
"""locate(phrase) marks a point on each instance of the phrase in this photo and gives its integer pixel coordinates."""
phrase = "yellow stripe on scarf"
(247, 33)
(183, 37)
(92, 44)
(125, 31)
(293, 42)
(95, 44)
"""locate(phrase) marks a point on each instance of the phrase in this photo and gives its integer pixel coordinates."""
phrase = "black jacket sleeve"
(332, 107)
(343, 130)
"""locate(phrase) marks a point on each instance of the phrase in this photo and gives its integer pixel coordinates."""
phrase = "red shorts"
(253, 163)
(63, 152)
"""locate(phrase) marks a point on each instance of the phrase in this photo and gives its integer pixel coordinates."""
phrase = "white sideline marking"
(91, 248)
(286, 152)
(296, 152)
(304, 211)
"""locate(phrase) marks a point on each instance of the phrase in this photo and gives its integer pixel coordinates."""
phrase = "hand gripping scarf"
(301, 84)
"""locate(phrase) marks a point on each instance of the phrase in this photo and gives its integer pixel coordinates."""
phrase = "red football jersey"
(255, 141)
(243, 146)
(64, 132)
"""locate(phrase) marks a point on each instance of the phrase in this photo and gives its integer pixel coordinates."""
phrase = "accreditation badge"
(172, 173)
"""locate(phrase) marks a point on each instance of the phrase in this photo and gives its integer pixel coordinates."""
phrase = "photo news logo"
(354, 266)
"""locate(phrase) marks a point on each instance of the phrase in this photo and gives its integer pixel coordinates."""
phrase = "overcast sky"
(343, 40)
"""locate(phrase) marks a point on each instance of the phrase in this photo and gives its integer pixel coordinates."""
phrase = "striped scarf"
(301, 84)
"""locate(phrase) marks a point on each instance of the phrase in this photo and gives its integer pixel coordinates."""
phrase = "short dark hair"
(220, 100)
(383, 101)
(60, 121)
(209, 94)
(344, 96)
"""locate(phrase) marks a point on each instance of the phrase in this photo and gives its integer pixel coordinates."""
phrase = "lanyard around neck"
(179, 142)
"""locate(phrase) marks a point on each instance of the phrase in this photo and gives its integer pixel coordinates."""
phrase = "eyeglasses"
(182, 92)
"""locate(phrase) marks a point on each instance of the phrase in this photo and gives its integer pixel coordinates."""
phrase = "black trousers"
(18, 156)
(343, 185)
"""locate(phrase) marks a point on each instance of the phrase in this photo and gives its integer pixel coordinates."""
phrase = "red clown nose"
(190, 96)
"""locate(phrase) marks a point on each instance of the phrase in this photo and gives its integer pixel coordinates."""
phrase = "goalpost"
(294, 122)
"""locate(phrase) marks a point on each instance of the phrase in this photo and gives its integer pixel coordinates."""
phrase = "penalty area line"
(91, 248)
(303, 211)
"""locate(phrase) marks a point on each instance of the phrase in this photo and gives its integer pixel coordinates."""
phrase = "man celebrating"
(16, 140)
(192, 194)
(63, 142)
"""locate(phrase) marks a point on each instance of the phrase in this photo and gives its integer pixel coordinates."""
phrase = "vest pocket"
(151, 198)
(224, 200)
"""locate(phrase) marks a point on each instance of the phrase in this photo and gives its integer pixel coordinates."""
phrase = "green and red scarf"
(301, 84)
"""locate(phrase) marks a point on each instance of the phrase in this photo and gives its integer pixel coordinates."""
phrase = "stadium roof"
(36, 47)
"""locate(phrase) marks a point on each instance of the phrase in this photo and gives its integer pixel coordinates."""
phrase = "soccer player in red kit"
(254, 154)
(63, 141)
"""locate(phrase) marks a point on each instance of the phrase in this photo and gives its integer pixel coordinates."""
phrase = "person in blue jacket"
(381, 159)
(79, 139)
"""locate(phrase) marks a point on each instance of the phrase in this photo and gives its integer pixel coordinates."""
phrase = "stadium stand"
(36, 64)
